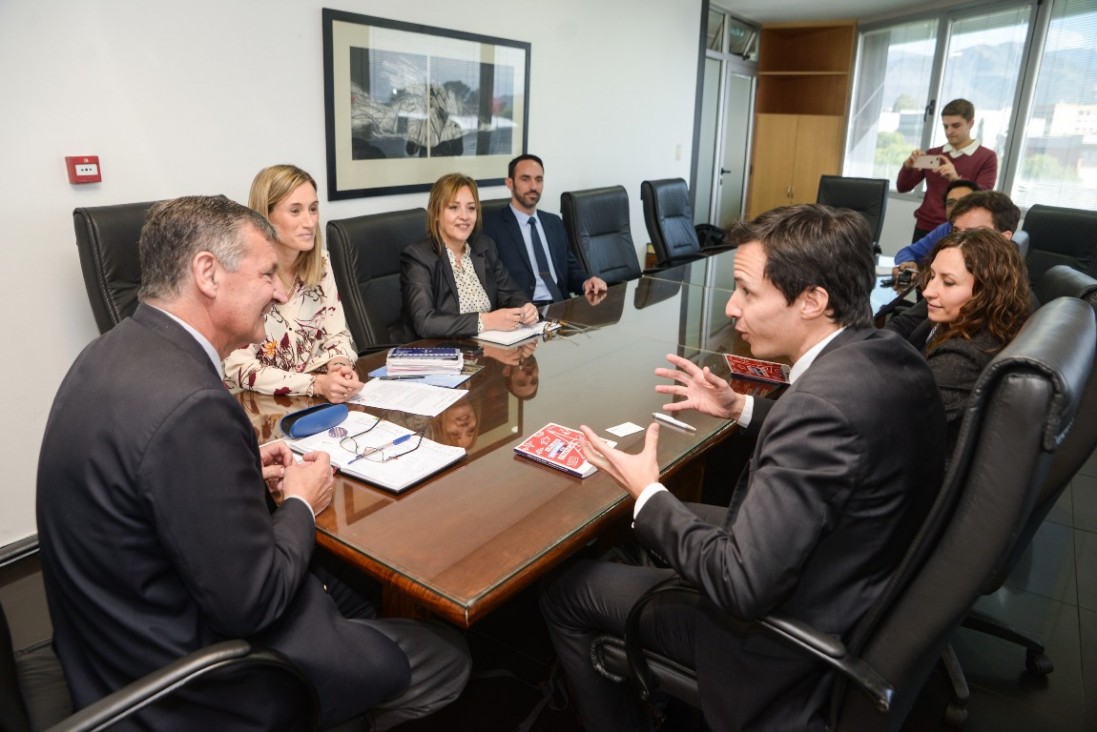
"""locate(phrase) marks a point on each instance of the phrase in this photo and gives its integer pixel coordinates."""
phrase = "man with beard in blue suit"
(533, 245)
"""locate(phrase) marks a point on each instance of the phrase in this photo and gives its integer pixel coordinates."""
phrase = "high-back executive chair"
(597, 222)
(1021, 409)
(1060, 236)
(1059, 281)
(35, 695)
(866, 196)
(669, 218)
(492, 206)
(107, 237)
(365, 259)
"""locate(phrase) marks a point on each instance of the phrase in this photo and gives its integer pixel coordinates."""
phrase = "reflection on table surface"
(464, 540)
(689, 315)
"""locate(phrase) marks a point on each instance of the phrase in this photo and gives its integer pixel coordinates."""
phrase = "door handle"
(724, 171)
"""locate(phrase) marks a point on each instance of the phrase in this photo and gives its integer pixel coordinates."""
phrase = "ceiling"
(771, 11)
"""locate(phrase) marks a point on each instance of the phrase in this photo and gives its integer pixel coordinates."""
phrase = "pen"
(672, 421)
(401, 378)
(399, 440)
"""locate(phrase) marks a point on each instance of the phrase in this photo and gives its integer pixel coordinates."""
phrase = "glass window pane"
(1059, 153)
(890, 94)
(715, 30)
(983, 65)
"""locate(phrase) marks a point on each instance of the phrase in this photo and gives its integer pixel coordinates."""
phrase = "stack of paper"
(410, 360)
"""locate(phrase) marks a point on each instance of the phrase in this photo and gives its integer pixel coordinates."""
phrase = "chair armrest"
(831, 651)
(148, 689)
(791, 633)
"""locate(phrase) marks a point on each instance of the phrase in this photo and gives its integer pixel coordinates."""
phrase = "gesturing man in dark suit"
(157, 532)
(818, 520)
(533, 245)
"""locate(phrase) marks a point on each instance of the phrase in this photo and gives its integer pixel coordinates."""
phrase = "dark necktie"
(542, 261)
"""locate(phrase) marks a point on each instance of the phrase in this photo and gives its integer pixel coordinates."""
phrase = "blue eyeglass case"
(312, 420)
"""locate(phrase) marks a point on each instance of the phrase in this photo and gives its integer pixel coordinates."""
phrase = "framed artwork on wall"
(405, 104)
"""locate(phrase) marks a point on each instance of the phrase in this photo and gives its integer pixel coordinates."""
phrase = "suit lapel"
(742, 486)
(447, 274)
(513, 229)
(476, 254)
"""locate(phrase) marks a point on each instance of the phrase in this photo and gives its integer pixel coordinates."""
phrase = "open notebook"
(395, 458)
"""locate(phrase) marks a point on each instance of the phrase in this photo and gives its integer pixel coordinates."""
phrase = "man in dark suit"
(157, 533)
(533, 245)
(818, 520)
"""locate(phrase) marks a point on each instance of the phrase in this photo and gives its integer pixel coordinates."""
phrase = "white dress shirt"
(797, 371)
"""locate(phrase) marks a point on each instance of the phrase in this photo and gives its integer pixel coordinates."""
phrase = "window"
(1058, 159)
(890, 97)
(907, 72)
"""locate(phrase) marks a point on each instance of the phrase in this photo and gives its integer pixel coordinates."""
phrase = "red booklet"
(557, 447)
(745, 367)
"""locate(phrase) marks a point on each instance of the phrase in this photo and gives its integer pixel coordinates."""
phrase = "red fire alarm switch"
(83, 168)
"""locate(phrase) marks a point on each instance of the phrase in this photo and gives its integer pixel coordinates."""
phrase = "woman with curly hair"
(976, 300)
(307, 349)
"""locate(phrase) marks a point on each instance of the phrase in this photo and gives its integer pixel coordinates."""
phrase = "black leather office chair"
(1061, 281)
(866, 196)
(597, 222)
(365, 259)
(1021, 409)
(35, 696)
(669, 218)
(492, 206)
(1060, 236)
(107, 237)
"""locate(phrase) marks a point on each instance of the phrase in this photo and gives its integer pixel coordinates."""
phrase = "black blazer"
(955, 363)
(503, 228)
(828, 505)
(431, 307)
(157, 538)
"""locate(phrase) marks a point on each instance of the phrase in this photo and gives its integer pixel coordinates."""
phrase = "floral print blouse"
(303, 334)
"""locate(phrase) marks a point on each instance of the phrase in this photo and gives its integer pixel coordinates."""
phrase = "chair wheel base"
(955, 715)
(1038, 663)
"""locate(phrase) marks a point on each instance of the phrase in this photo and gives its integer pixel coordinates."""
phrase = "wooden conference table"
(463, 541)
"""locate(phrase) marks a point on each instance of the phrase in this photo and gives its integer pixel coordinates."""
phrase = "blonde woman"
(307, 349)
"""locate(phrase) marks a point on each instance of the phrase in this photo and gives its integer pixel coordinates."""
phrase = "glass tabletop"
(470, 536)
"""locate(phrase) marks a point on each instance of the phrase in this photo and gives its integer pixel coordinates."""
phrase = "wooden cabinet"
(804, 73)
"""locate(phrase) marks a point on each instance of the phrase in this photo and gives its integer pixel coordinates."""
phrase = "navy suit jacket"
(503, 228)
(829, 504)
(157, 539)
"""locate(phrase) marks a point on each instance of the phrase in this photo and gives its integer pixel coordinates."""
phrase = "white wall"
(196, 96)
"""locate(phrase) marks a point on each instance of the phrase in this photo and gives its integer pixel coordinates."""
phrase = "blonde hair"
(270, 186)
(444, 190)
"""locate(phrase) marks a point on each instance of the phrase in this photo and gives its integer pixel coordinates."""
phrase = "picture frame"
(405, 104)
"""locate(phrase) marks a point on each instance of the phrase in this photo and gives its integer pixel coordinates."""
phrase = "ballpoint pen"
(401, 378)
(398, 441)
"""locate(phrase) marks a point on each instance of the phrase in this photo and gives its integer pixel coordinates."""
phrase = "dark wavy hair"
(999, 301)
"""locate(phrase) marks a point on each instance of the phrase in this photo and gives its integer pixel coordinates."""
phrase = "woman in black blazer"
(453, 282)
(976, 298)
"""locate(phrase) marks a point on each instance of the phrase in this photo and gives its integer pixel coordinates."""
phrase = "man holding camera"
(961, 158)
